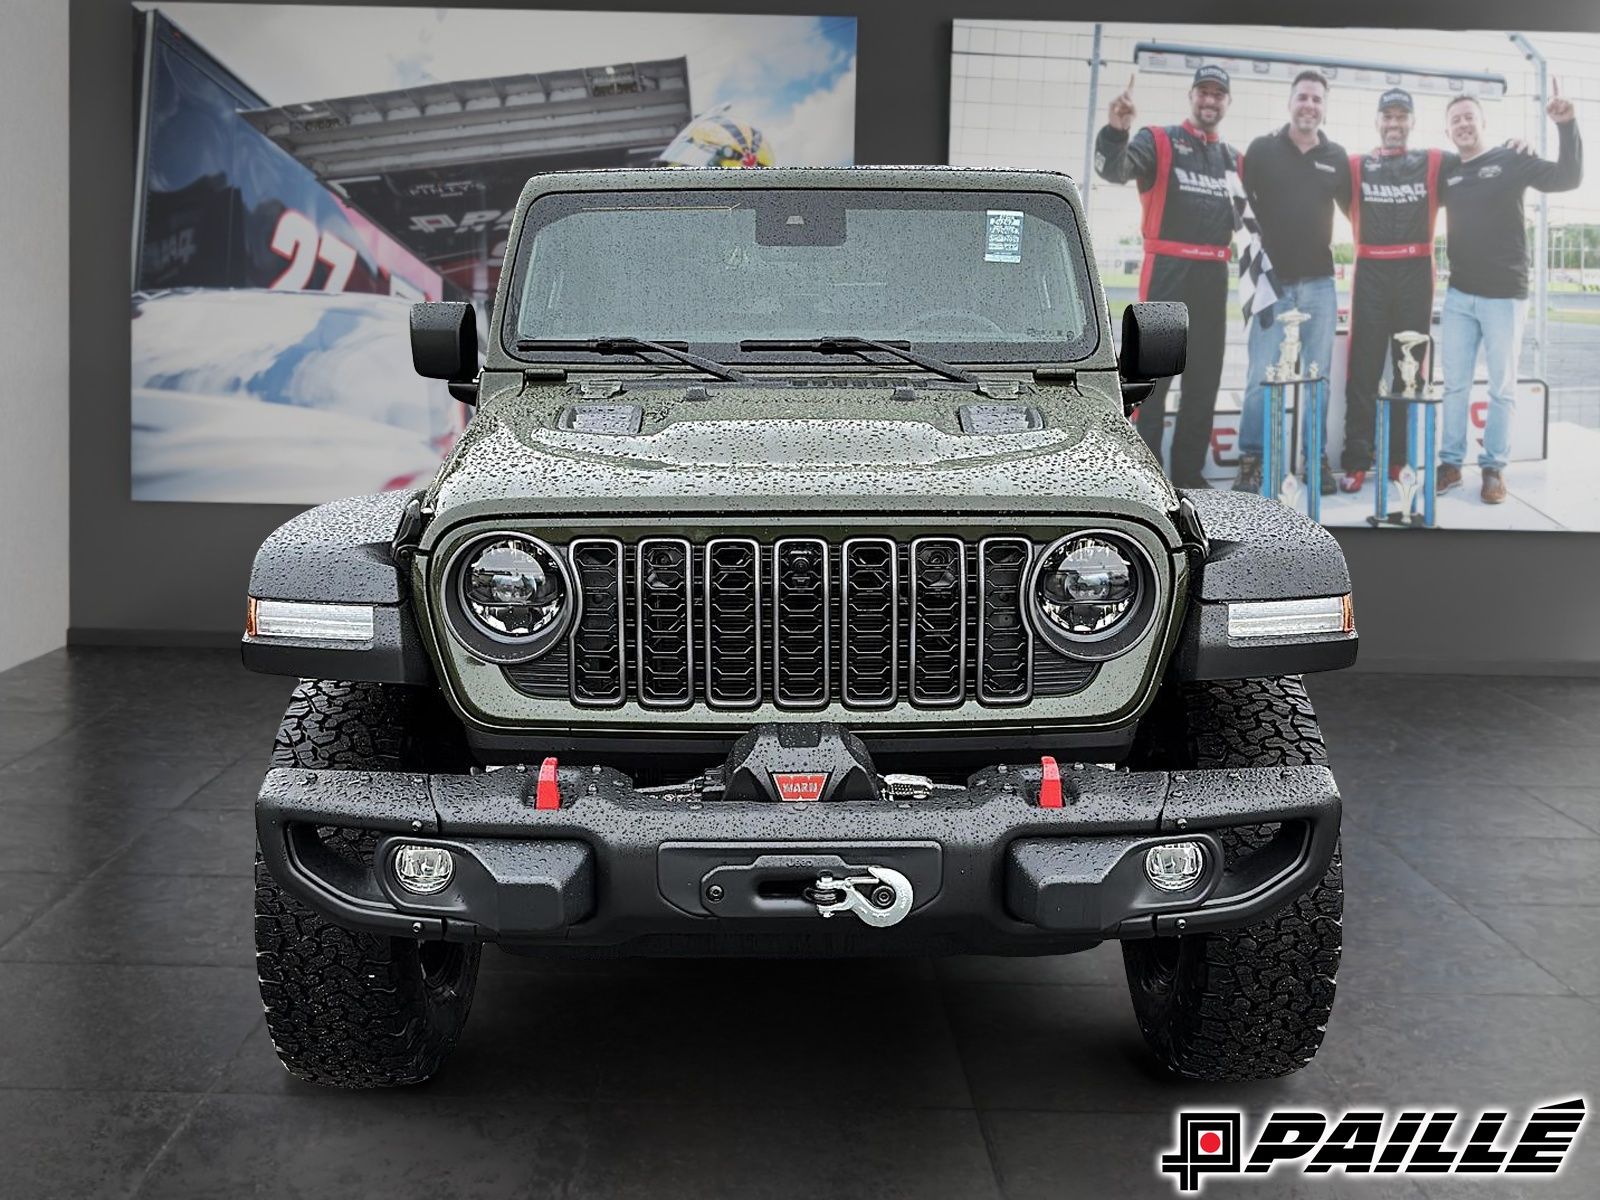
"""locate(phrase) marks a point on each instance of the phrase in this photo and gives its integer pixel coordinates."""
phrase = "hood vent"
(601, 418)
(999, 418)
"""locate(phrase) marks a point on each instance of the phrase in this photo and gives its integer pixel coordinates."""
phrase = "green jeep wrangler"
(800, 587)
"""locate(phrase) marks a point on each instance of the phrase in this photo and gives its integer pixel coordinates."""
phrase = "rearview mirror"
(1154, 336)
(444, 345)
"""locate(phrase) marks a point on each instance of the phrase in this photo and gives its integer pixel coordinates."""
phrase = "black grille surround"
(802, 623)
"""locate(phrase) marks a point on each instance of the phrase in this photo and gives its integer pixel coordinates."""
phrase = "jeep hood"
(765, 449)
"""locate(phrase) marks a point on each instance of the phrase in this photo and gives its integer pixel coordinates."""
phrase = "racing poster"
(1410, 211)
(303, 174)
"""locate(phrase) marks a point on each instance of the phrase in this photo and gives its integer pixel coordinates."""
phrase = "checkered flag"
(1258, 286)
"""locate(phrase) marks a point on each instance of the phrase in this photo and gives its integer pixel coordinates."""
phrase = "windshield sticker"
(1005, 237)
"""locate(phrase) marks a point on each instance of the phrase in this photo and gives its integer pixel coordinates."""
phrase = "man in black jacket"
(1182, 173)
(1294, 178)
(1487, 300)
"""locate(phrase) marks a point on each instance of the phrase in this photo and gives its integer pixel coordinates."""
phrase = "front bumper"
(619, 870)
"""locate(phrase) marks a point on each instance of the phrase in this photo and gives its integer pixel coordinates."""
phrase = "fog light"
(423, 869)
(1175, 866)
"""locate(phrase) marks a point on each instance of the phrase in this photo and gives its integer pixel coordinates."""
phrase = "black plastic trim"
(337, 553)
(1260, 550)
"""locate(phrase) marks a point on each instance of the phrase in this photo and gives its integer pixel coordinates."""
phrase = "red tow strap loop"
(548, 794)
(1050, 784)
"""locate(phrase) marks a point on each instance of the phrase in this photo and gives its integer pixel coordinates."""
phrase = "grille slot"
(801, 593)
(1056, 675)
(733, 622)
(1005, 644)
(938, 621)
(869, 599)
(546, 677)
(598, 660)
(663, 598)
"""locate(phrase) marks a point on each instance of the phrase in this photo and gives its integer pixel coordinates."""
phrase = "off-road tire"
(350, 1009)
(1249, 1003)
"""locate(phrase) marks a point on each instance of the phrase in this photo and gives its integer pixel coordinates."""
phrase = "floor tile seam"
(1484, 925)
(51, 907)
(45, 745)
(1540, 800)
(946, 1010)
(137, 1189)
(1543, 714)
(122, 851)
(187, 1119)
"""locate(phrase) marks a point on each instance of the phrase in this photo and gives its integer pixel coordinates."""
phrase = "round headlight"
(513, 588)
(1092, 595)
(1087, 587)
(508, 597)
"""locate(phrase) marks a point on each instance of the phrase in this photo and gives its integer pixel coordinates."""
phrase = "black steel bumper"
(618, 870)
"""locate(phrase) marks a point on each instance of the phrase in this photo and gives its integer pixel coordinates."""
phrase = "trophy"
(1291, 490)
(1288, 363)
(1406, 487)
(1410, 343)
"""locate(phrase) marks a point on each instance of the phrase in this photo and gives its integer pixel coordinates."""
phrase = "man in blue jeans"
(1293, 177)
(1487, 300)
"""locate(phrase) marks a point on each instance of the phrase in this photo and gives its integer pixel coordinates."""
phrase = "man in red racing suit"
(1182, 173)
(1394, 200)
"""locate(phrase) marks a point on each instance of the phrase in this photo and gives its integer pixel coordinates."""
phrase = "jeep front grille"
(801, 623)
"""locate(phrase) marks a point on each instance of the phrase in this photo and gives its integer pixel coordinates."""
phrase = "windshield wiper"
(633, 345)
(859, 345)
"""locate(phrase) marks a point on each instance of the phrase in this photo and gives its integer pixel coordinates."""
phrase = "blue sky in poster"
(794, 77)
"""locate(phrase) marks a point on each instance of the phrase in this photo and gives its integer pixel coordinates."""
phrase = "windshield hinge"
(408, 532)
(1000, 389)
(1187, 518)
(533, 376)
(1061, 375)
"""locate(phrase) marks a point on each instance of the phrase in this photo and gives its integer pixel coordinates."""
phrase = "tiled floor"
(133, 1059)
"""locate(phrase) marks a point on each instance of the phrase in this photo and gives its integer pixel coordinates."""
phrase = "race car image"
(258, 396)
(716, 138)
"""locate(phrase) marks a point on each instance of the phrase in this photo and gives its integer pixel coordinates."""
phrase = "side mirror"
(1155, 334)
(444, 345)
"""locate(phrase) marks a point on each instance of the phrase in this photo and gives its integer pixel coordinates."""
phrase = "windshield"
(978, 277)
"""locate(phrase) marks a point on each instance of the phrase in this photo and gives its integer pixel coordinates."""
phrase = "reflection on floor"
(133, 1058)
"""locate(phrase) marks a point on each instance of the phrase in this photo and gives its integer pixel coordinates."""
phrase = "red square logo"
(800, 785)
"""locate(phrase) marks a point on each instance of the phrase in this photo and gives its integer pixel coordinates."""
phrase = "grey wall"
(33, 331)
(1469, 602)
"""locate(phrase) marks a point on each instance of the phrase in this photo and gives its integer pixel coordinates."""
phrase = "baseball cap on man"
(1396, 98)
(1213, 74)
